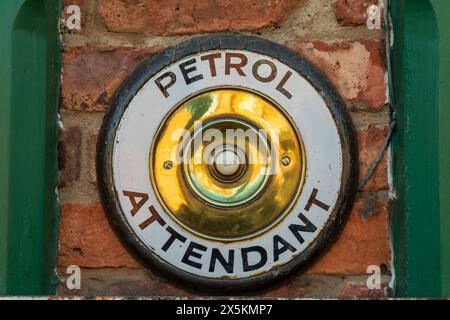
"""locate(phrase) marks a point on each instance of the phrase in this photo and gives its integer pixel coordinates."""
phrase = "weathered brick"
(121, 282)
(370, 141)
(180, 17)
(91, 75)
(352, 12)
(358, 291)
(356, 68)
(291, 290)
(69, 155)
(92, 154)
(363, 242)
(87, 240)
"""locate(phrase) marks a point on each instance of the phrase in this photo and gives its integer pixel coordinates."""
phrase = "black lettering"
(191, 253)
(262, 261)
(283, 81)
(185, 71)
(173, 236)
(273, 70)
(278, 250)
(296, 228)
(237, 66)
(163, 88)
(217, 256)
(313, 200)
(153, 217)
(211, 58)
(136, 204)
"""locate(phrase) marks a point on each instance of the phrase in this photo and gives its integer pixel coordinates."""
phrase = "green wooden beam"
(5, 91)
(421, 223)
(29, 64)
(442, 12)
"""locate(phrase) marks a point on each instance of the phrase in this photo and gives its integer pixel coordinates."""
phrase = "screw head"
(286, 161)
(168, 165)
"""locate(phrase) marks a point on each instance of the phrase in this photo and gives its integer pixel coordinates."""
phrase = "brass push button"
(229, 164)
(228, 150)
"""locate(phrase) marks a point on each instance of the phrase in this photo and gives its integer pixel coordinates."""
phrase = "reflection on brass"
(227, 189)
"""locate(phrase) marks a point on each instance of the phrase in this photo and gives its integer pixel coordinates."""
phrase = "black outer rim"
(154, 64)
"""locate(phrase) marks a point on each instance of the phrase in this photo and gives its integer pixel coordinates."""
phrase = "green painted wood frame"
(420, 60)
(29, 88)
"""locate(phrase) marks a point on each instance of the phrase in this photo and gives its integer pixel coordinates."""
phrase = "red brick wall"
(117, 34)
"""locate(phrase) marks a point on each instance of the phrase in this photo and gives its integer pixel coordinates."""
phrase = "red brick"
(290, 290)
(363, 242)
(352, 12)
(92, 154)
(91, 75)
(370, 142)
(69, 155)
(87, 240)
(358, 291)
(181, 17)
(126, 282)
(356, 69)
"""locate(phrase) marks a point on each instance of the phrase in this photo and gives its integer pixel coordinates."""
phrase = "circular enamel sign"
(227, 161)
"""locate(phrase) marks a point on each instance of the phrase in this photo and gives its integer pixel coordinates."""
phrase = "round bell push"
(227, 162)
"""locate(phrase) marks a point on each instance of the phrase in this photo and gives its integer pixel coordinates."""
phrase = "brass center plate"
(242, 195)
